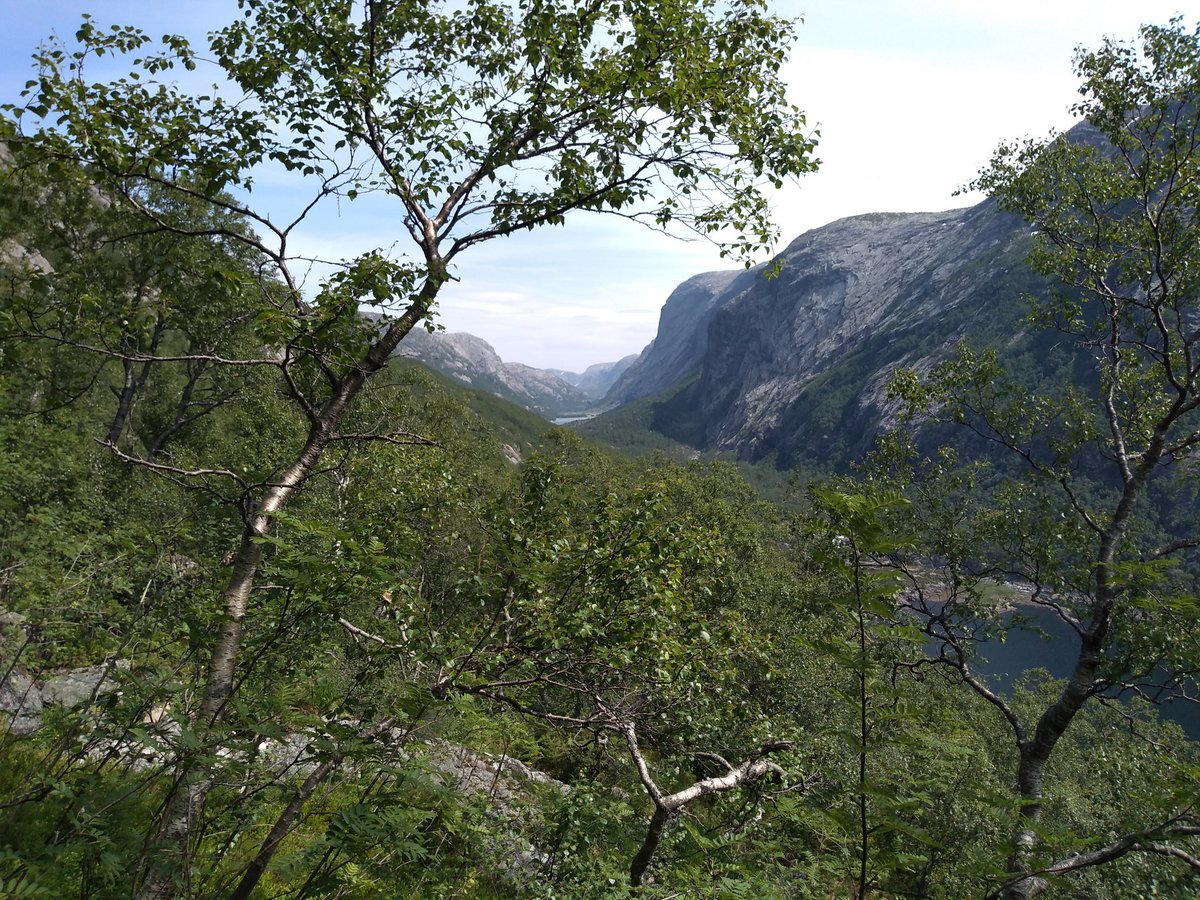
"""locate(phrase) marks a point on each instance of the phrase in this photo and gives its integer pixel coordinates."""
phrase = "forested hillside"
(284, 616)
(474, 362)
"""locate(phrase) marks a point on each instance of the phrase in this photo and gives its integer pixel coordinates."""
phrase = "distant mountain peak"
(473, 361)
(597, 379)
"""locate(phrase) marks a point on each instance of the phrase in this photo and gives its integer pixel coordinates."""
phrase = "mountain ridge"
(790, 360)
(596, 380)
(474, 362)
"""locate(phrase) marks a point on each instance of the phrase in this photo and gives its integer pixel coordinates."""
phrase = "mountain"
(516, 431)
(790, 361)
(682, 337)
(596, 381)
(473, 361)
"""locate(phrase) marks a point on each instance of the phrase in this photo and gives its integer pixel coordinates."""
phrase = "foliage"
(160, 280)
(1113, 205)
(202, 464)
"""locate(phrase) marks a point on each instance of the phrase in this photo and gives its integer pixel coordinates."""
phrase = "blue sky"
(910, 96)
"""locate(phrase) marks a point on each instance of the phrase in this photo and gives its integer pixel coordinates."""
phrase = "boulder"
(78, 686)
(20, 703)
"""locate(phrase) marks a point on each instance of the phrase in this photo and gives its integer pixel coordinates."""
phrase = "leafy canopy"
(482, 118)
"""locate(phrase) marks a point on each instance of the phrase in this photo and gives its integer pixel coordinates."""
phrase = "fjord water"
(1046, 642)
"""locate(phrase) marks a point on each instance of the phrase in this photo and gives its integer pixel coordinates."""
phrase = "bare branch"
(399, 438)
(1172, 547)
(172, 470)
(358, 633)
(1175, 853)
(1144, 841)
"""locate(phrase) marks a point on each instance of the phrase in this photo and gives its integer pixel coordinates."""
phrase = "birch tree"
(478, 120)
(1096, 525)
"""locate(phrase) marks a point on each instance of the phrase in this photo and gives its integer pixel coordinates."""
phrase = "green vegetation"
(476, 121)
(630, 430)
(284, 617)
(508, 423)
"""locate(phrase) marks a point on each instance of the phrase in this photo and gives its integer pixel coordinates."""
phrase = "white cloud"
(911, 99)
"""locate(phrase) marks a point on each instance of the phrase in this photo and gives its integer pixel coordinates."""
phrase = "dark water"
(1054, 650)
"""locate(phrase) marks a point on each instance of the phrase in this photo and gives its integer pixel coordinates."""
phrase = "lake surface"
(1025, 649)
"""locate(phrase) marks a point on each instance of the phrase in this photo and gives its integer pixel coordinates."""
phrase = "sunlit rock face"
(473, 361)
(792, 359)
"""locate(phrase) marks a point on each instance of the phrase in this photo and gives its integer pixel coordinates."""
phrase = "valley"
(303, 597)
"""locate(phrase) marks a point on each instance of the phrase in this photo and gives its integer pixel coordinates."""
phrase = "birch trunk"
(174, 843)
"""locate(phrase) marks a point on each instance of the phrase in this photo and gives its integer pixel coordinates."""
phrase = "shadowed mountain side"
(796, 366)
(679, 345)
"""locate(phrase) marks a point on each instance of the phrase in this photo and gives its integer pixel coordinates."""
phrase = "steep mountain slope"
(682, 336)
(597, 380)
(795, 366)
(473, 361)
(516, 430)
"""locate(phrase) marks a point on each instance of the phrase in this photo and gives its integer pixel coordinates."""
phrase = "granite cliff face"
(682, 337)
(796, 366)
(474, 362)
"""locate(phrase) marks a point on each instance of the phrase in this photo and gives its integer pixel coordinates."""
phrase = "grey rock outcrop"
(79, 686)
(14, 254)
(474, 362)
(20, 704)
(20, 700)
(467, 771)
(509, 786)
(23, 698)
(793, 360)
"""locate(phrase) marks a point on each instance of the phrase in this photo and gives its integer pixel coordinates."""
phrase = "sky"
(910, 98)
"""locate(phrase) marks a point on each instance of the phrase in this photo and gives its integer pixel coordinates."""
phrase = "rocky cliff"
(596, 381)
(473, 361)
(791, 361)
(682, 337)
